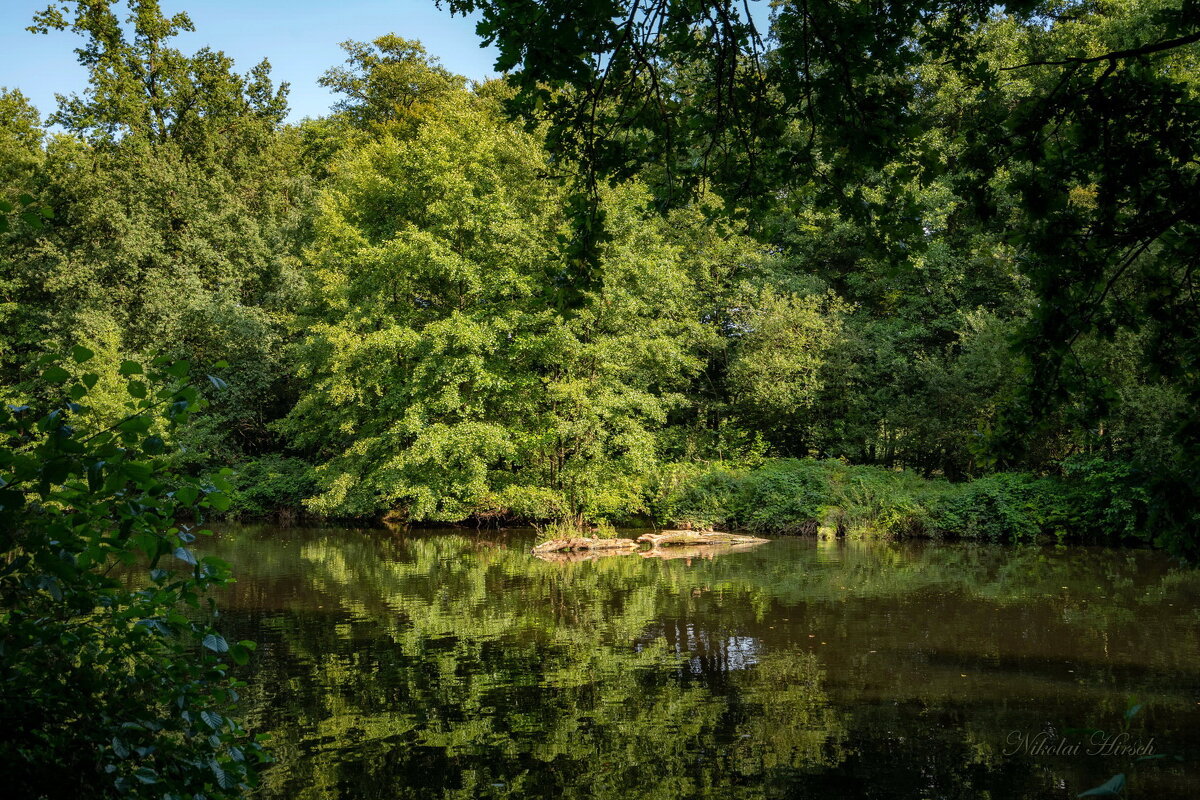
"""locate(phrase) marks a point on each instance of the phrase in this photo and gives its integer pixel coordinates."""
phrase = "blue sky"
(300, 37)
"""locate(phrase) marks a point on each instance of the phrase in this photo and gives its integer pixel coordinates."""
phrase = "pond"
(455, 664)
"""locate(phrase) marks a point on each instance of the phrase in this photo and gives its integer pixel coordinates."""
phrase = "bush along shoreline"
(1091, 501)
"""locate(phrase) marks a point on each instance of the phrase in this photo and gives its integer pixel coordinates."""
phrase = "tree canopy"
(1064, 131)
(949, 237)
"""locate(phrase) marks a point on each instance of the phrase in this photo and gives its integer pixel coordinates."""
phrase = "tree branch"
(1116, 55)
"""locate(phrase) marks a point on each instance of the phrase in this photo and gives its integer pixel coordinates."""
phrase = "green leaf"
(179, 369)
(224, 779)
(137, 471)
(212, 720)
(49, 421)
(95, 475)
(56, 471)
(136, 424)
(219, 501)
(156, 625)
(81, 354)
(216, 643)
(16, 564)
(56, 375)
(50, 584)
(145, 775)
(185, 555)
(1111, 788)
(136, 389)
(130, 368)
(187, 495)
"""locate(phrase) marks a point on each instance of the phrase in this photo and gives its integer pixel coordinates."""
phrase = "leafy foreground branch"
(114, 680)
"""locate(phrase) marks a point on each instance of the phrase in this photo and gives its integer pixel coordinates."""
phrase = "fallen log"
(672, 538)
(584, 543)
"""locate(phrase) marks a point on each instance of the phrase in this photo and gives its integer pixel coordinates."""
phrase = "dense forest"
(535, 299)
(877, 269)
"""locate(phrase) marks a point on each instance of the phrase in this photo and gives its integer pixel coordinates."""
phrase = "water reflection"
(443, 665)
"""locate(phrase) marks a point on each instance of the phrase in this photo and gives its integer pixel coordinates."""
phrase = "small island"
(655, 540)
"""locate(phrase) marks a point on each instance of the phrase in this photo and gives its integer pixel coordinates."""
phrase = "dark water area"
(446, 664)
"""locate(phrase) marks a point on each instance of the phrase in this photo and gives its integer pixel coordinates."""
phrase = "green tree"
(21, 137)
(1062, 136)
(443, 379)
(179, 208)
(388, 82)
(779, 369)
(138, 85)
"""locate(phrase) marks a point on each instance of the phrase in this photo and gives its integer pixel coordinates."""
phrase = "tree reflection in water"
(444, 665)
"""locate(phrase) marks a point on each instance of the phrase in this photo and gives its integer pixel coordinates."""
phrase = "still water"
(450, 664)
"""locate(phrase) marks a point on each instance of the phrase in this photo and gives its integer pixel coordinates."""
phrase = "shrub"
(269, 485)
(879, 501)
(1095, 498)
(1108, 499)
(1001, 507)
(114, 681)
(698, 497)
(603, 530)
(796, 496)
(784, 496)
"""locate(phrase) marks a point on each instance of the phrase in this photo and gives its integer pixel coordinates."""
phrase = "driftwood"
(583, 543)
(675, 544)
(673, 538)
